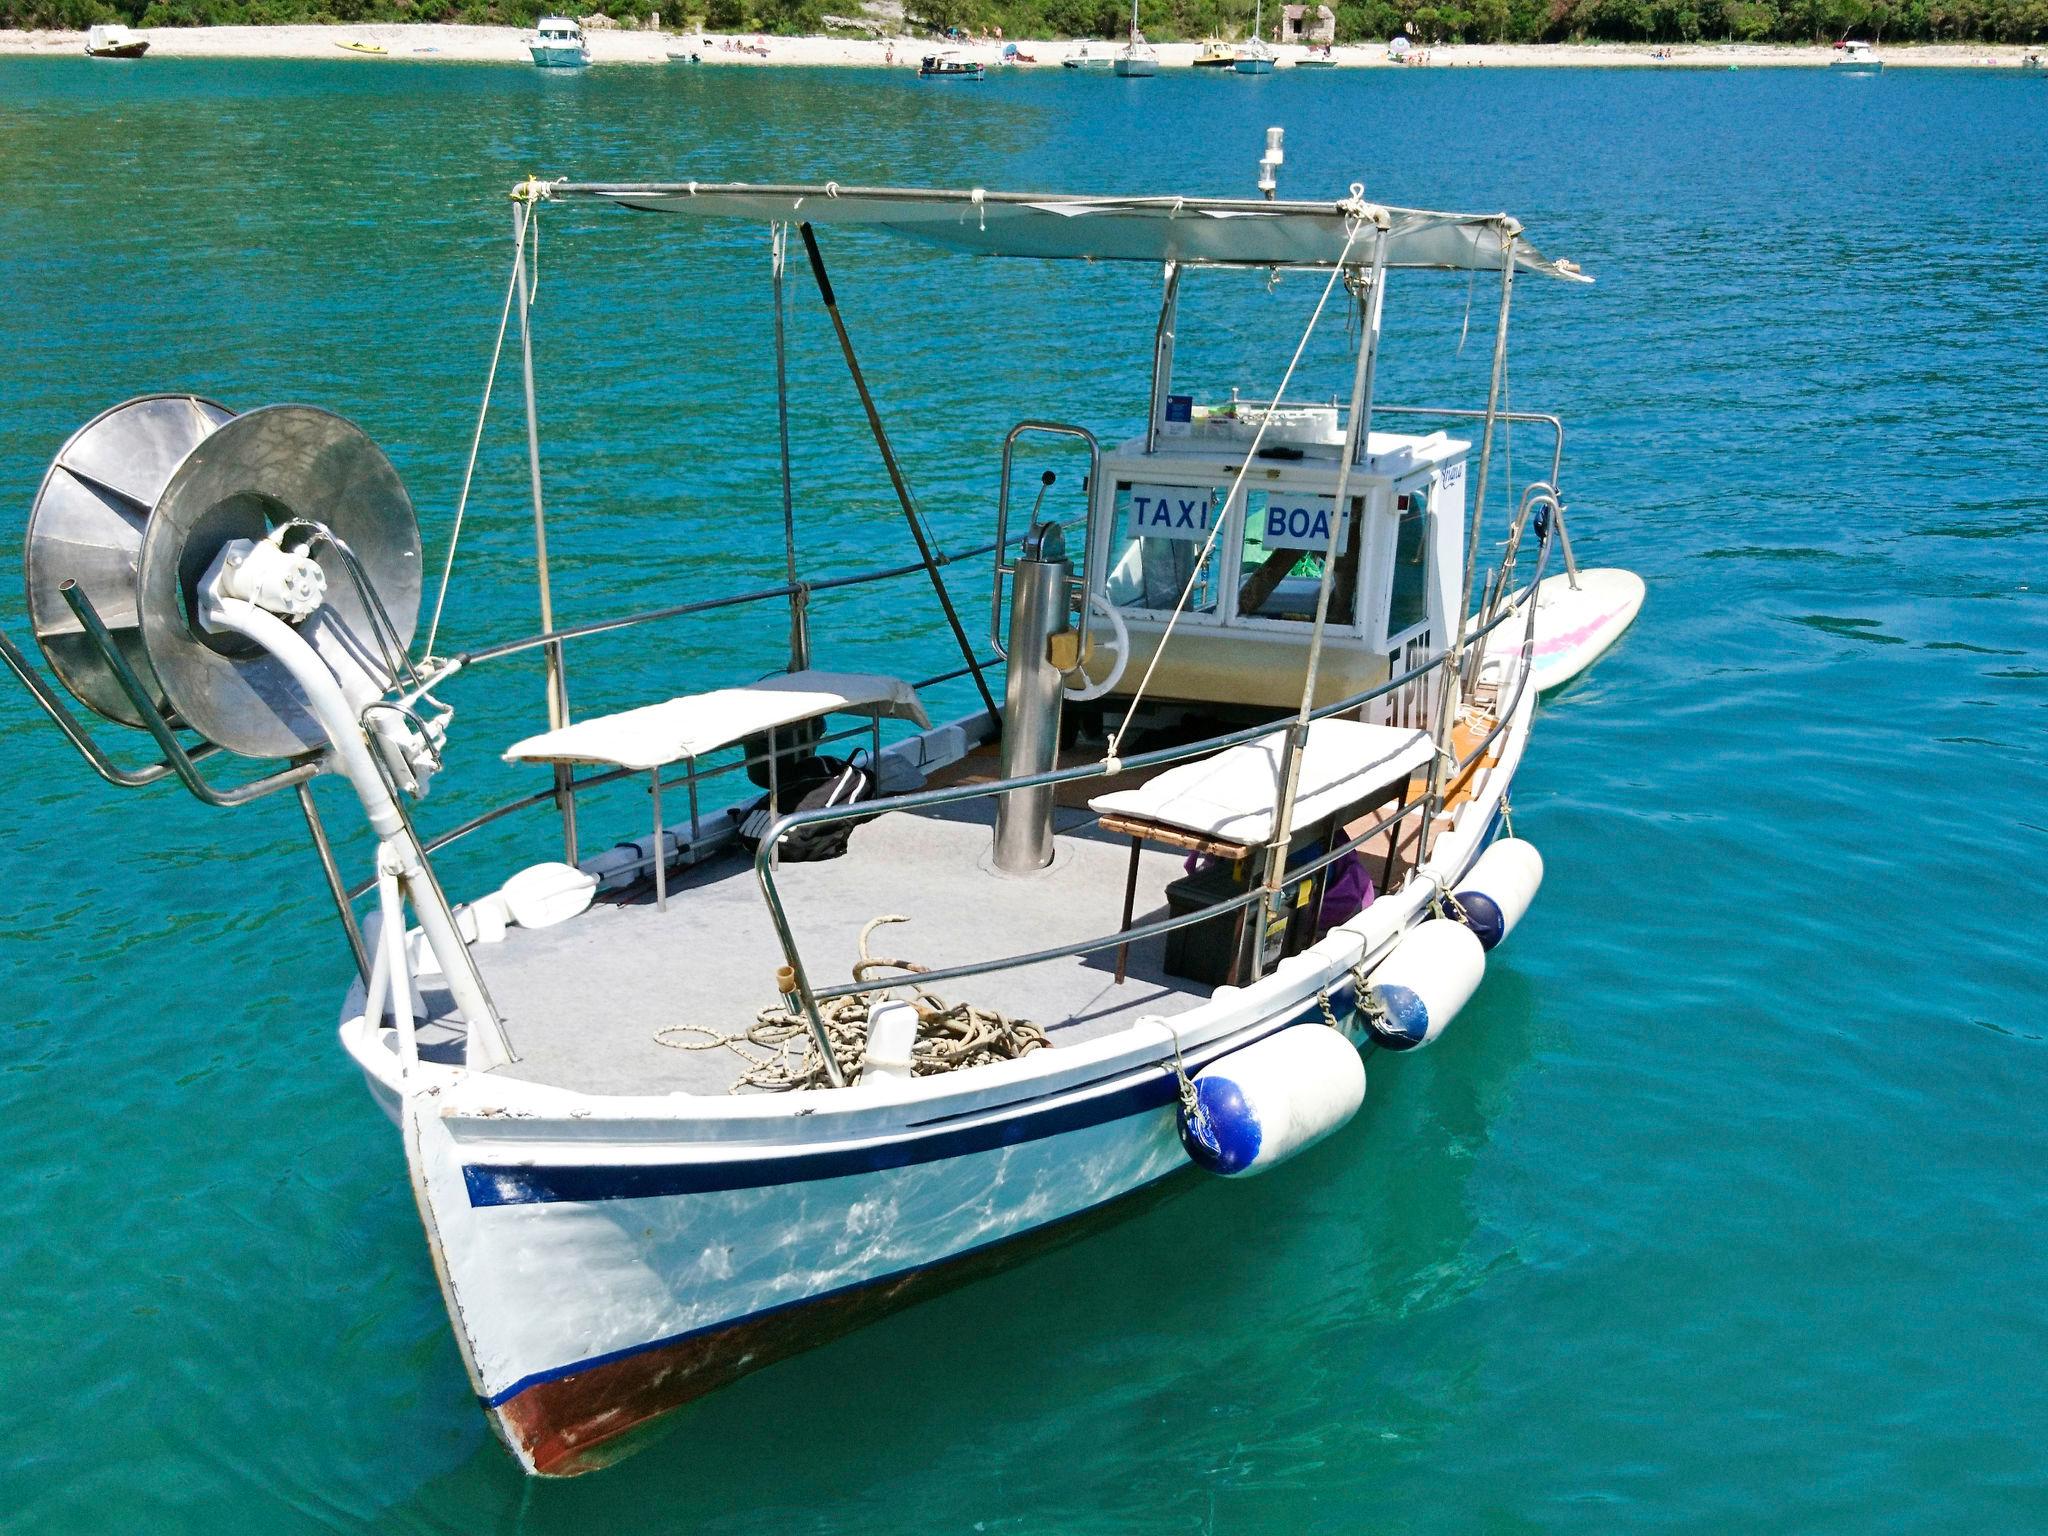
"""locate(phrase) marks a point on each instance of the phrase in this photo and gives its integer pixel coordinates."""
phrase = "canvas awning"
(1211, 231)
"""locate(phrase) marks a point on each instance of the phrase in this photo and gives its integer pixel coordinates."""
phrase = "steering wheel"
(1121, 644)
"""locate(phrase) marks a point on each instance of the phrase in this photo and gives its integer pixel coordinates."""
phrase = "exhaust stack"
(1032, 697)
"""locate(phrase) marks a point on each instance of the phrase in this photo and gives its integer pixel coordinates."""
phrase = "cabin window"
(1408, 594)
(1280, 567)
(1160, 532)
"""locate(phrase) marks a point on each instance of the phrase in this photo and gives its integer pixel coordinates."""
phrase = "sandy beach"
(507, 45)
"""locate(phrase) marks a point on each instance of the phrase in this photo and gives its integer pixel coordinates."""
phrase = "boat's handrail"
(808, 998)
(705, 605)
(611, 775)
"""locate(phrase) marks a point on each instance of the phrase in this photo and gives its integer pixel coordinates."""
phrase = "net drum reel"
(129, 521)
(254, 579)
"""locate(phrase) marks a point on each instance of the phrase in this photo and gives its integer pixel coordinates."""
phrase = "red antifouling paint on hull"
(581, 1423)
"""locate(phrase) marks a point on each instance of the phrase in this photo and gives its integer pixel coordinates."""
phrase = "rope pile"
(781, 1056)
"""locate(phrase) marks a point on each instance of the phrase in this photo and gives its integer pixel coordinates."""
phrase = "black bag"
(807, 785)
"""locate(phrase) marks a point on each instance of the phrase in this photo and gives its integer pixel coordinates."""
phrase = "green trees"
(1427, 21)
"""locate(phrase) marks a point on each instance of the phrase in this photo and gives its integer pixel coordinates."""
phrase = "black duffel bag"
(809, 784)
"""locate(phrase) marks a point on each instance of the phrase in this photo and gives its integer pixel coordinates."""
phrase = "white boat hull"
(606, 1260)
(558, 56)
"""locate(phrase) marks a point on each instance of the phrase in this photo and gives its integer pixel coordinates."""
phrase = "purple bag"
(1347, 892)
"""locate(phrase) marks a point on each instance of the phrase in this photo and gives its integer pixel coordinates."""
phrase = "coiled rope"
(781, 1056)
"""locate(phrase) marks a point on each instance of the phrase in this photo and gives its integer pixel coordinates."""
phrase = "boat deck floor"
(584, 1002)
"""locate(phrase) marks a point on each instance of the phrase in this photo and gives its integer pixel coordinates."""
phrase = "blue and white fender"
(1257, 1107)
(1493, 897)
(1419, 988)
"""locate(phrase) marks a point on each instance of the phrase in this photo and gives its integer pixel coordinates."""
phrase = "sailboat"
(1253, 56)
(1137, 59)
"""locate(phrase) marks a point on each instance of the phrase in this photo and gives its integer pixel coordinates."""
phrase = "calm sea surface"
(1720, 1210)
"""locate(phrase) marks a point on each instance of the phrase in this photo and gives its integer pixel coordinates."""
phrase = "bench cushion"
(697, 723)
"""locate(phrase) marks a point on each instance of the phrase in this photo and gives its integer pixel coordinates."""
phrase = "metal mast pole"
(1446, 691)
(558, 687)
(917, 532)
(799, 603)
(1355, 440)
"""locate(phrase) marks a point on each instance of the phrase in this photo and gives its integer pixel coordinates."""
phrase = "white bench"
(681, 730)
(1225, 806)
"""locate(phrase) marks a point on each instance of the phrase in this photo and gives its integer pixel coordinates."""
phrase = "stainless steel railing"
(809, 997)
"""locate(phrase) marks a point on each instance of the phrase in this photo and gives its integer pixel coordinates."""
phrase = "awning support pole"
(1356, 435)
(1162, 354)
(1446, 703)
(917, 531)
(558, 686)
(799, 611)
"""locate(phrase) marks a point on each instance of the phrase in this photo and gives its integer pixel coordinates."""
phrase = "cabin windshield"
(1280, 561)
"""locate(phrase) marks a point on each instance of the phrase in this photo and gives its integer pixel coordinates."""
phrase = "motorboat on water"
(1856, 58)
(557, 43)
(1254, 55)
(111, 40)
(1216, 54)
(1137, 59)
(1083, 59)
(1319, 56)
(803, 1002)
(950, 66)
(2032, 60)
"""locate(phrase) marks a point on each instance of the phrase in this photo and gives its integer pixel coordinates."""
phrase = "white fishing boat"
(1137, 59)
(673, 1101)
(1856, 58)
(557, 43)
(1254, 56)
(1083, 59)
(111, 40)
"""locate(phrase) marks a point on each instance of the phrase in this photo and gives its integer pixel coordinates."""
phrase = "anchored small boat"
(1856, 58)
(1216, 54)
(1137, 59)
(950, 66)
(111, 40)
(1319, 56)
(707, 1083)
(2033, 60)
(1254, 56)
(557, 43)
(1083, 59)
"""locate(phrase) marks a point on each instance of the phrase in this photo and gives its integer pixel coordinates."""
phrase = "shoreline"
(437, 42)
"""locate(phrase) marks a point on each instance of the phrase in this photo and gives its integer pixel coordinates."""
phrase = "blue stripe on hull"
(540, 1184)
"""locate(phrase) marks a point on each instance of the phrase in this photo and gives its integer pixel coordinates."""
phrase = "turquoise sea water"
(1720, 1210)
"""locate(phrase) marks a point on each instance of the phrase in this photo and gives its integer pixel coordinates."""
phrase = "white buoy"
(1499, 889)
(1419, 988)
(1257, 1107)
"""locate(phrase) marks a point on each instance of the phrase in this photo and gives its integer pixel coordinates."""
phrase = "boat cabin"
(1241, 636)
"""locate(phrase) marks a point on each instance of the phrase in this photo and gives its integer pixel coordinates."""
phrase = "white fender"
(1257, 1107)
(1499, 889)
(1419, 988)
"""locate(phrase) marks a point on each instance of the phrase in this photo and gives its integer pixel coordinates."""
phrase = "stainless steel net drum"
(139, 503)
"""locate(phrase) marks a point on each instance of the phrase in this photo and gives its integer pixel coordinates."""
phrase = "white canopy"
(698, 723)
(1213, 231)
(1235, 795)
